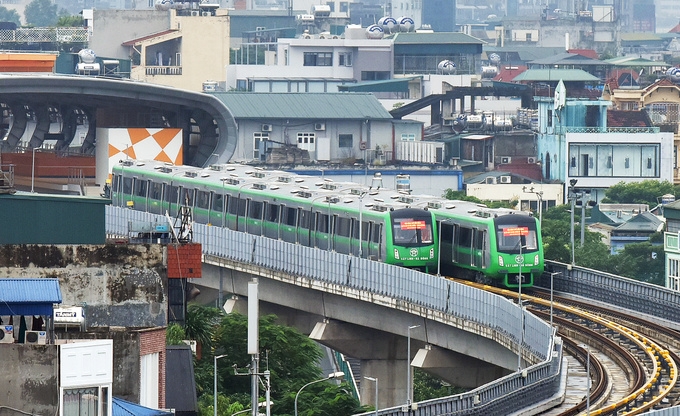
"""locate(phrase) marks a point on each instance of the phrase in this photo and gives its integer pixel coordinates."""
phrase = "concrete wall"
(114, 27)
(29, 379)
(118, 285)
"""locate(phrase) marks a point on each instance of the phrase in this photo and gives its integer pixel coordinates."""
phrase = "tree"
(70, 21)
(462, 196)
(645, 192)
(7, 15)
(41, 13)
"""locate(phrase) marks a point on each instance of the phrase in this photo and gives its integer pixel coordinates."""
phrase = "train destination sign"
(412, 225)
(515, 231)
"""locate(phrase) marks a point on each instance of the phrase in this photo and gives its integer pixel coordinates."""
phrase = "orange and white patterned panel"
(164, 145)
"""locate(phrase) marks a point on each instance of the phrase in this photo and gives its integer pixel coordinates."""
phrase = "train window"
(242, 207)
(255, 210)
(290, 216)
(115, 183)
(233, 205)
(479, 239)
(217, 202)
(140, 187)
(446, 231)
(187, 197)
(202, 199)
(127, 186)
(465, 237)
(272, 213)
(376, 233)
(156, 191)
(171, 193)
(322, 223)
(426, 234)
(342, 226)
(305, 219)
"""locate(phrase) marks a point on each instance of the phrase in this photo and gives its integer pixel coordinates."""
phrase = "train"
(420, 232)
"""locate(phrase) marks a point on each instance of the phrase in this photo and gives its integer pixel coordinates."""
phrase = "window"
(318, 59)
(81, 402)
(171, 194)
(202, 199)
(272, 213)
(375, 75)
(408, 137)
(258, 138)
(345, 140)
(127, 186)
(156, 190)
(140, 187)
(345, 59)
(255, 210)
(218, 203)
(344, 6)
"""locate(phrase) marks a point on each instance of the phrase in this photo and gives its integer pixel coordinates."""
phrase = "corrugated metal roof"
(632, 37)
(566, 75)
(388, 85)
(42, 290)
(436, 38)
(352, 106)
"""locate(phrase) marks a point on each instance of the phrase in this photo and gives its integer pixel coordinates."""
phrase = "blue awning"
(124, 408)
(29, 296)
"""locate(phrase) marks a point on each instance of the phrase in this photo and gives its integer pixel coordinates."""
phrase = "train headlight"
(500, 261)
(536, 260)
(396, 254)
(432, 253)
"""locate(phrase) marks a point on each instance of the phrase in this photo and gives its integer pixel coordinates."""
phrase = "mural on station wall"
(164, 145)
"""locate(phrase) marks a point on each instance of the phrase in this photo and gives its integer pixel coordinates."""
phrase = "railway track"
(632, 362)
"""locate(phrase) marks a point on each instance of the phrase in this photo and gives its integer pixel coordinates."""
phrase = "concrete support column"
(391, 375)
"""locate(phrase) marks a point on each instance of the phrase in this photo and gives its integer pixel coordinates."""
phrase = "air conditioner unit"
(531, 160)
(266, 127)
(506, 159)
(490, 180)
(6, 334)
(36, 337)
(195, 13)
(320, 126)
(205, 13)
(506, 179)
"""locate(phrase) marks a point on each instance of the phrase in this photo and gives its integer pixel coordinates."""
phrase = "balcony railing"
(607, 129)
(163, 70)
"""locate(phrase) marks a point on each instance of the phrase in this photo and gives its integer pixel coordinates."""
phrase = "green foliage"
(645, 192)
(291, 358)
(426, 387)
(462, 196)
(174, 335)
(397, 105)
(70, 21)
(7, 15)
(201, 323)
(41, 13)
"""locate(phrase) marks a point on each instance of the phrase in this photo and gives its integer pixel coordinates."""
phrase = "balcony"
(163, 70)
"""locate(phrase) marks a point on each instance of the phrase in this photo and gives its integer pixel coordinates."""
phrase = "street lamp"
(217, 357)
(539, 195)
(408, 365)
(374, 379)
(361, 211)
(331, 376)
(572, 199)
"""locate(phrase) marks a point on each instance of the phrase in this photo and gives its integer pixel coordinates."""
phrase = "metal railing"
(45, 34)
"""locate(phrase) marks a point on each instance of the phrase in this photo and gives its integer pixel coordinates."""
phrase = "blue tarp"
(124, 408)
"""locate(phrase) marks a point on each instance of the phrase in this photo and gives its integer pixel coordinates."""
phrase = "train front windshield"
(412, 231)
(511, 236)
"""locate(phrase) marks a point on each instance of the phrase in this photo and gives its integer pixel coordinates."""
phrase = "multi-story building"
(578, 141)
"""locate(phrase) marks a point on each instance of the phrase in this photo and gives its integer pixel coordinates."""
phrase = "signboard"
(515, 231)
(412, 225)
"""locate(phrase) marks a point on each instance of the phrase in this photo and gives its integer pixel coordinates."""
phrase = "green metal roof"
(291, 105)
(388, 85)
(566, 75)
(440, 38)
(525, 53)
(566, 59)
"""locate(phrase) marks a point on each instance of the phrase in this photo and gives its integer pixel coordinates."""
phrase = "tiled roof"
(151, 36)
(508, 72)
(624, 118)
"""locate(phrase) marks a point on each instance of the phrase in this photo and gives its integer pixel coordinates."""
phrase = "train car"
(501, 247)
(294, 208)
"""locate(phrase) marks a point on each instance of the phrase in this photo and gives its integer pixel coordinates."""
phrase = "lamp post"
(408, 365)
(217, 357)
(33, 171)
(361, 211)
(519, 303)
(572, 199)
(374, 379)
(331, 376)
(539, 195)
(584, 199)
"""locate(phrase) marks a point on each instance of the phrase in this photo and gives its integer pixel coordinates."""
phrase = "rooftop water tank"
(447, 67)
(374, 32)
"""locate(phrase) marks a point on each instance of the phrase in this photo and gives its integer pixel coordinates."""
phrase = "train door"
(322, 231)
(271, 220)
(155, 197)
(170, 196)
(201, 211)
(446, 246)
(216, 212)
(140, 188)
(254, 220)
(241, 214)
(288, 229)
(232, 209)
(342, 234)
(374, 246)
(126, 194)
(464, 245)
(305, 226)
(478, 253)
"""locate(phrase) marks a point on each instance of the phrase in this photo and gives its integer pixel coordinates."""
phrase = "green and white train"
(496, 246)
(294, 208)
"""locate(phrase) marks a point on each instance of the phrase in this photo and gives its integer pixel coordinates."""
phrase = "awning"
(124, 408)
(29, 296)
